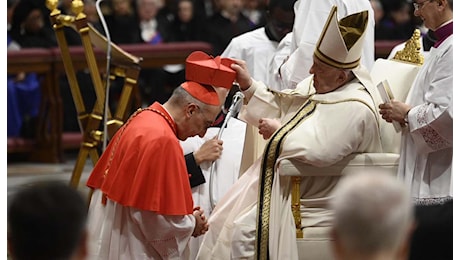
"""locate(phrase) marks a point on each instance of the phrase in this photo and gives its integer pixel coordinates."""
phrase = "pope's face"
(325, 78)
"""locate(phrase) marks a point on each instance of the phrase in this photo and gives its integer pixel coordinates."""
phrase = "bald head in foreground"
(373, 217)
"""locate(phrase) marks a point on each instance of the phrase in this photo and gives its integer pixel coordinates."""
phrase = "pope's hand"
(267, 126)
(242, 74)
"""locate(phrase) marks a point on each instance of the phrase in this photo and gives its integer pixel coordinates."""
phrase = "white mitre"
(341, 42)
(340, 46)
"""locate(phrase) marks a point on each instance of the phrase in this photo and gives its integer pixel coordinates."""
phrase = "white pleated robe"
(343, 122)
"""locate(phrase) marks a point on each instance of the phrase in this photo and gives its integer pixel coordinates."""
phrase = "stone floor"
(22, 173)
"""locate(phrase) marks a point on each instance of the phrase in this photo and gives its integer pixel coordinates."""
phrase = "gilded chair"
(400, 73)
(122, 65)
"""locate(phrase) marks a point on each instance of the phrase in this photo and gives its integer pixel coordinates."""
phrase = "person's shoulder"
(256, 34)
(242, 42)
(149, 125)
(156, 137)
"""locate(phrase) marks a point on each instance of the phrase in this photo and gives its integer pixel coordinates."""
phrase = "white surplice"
(118, 232)
(225, 173)
(344, 121)
(256, 49)
(427, 145)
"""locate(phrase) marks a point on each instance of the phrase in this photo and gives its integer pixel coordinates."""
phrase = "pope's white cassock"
(318, 129)
(225, 173)
(427, 145)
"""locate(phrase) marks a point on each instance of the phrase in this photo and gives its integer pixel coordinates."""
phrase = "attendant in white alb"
(427, 141)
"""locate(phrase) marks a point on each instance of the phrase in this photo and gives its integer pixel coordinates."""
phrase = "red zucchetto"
(203, 93)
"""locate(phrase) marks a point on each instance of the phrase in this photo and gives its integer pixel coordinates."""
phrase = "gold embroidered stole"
(267, 171)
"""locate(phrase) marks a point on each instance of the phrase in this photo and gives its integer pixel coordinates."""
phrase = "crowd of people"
(143, 205)
(161, 21)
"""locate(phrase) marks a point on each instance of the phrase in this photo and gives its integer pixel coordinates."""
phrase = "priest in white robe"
(427, 140)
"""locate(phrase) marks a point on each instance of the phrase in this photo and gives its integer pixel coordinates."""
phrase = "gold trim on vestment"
(122, 130)
(271, 154)
(172, 124)
(336, 64)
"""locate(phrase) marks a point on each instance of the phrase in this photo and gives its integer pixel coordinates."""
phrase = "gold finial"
(77, 9)
(52, 6)
(411, 52)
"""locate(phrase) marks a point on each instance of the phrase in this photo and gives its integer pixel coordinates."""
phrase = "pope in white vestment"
(326, 128)
(254, 219)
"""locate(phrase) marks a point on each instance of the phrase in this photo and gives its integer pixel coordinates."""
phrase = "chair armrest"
(354, 163)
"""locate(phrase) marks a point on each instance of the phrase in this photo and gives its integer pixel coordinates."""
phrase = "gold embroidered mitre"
(340, 44)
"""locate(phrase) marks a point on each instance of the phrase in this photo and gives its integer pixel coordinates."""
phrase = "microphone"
(107, 68)
(235, 107)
